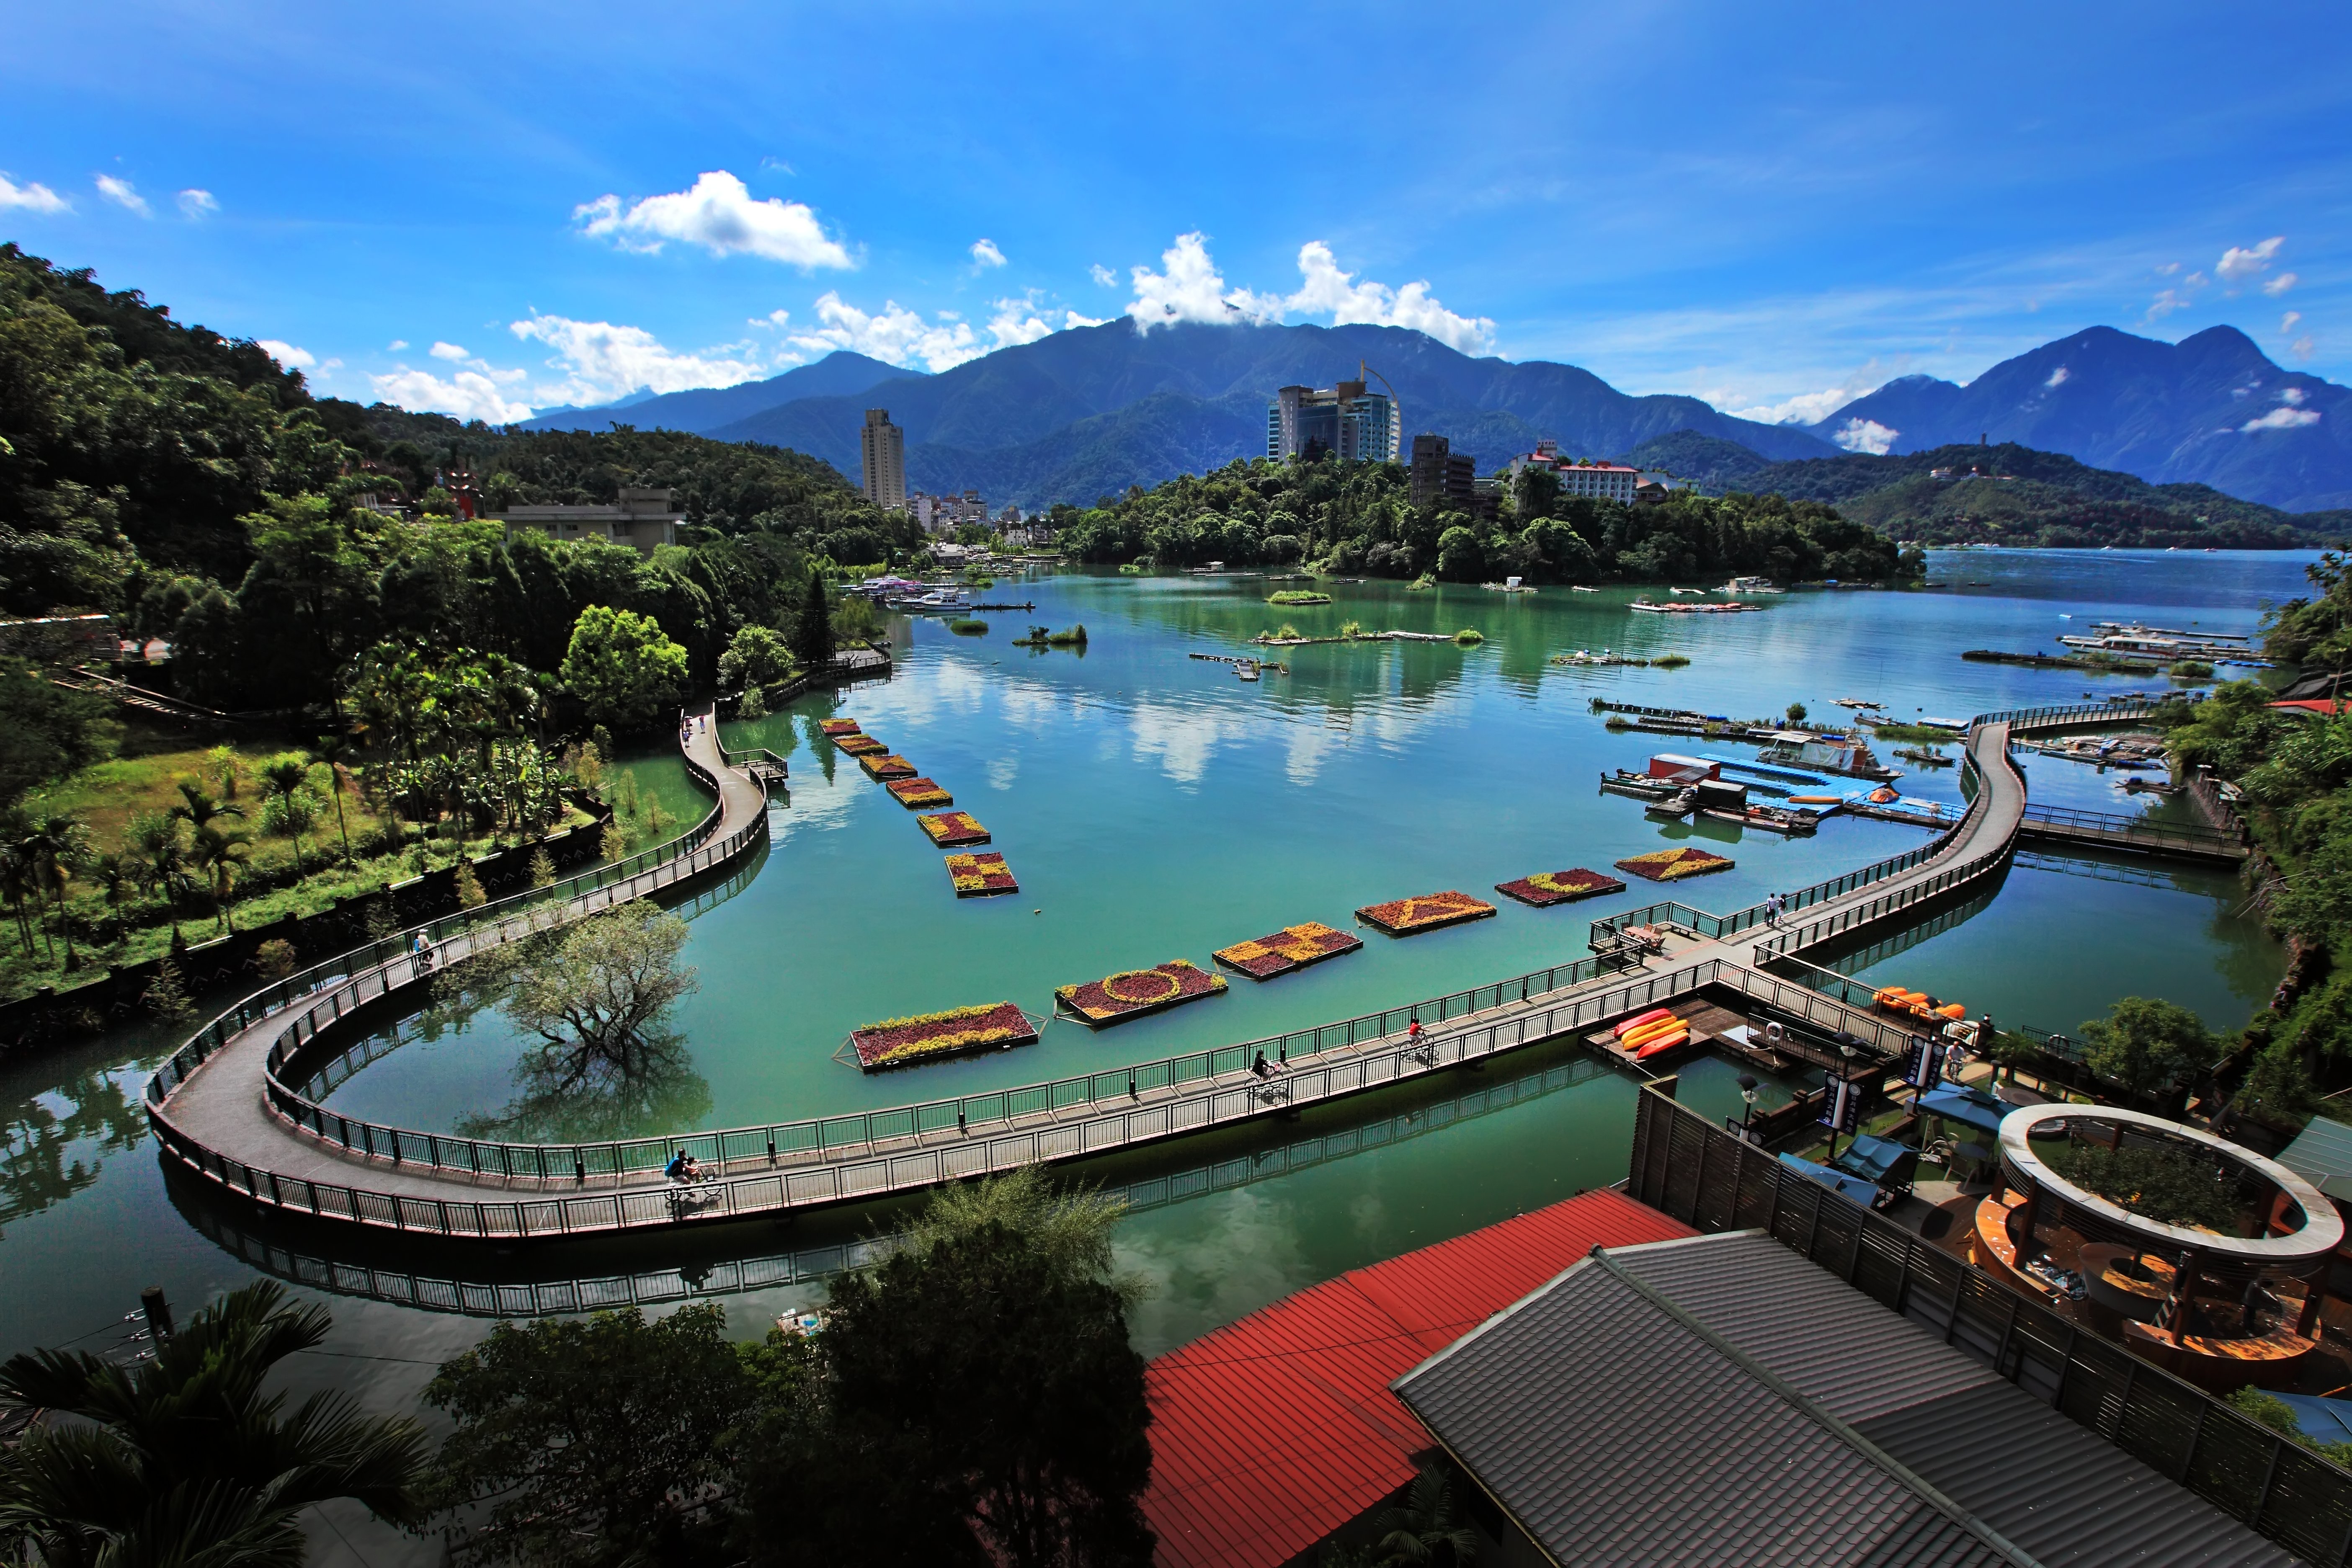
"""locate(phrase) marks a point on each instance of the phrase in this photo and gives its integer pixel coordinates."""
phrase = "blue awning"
(1879, 1161)
(2326, 1420)
(1972, 1106)
(1855, 1187)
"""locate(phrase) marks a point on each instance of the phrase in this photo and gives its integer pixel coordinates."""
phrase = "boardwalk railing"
(2133, 832)
(335, 986)
(1686, 1166)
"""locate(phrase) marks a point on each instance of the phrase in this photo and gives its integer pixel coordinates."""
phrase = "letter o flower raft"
(1132, 992)
(1292, 947)
(1403, 917)
(903, 1042)
(1673, 864)
(1547, 887)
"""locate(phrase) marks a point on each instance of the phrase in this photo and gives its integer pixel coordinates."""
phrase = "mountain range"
(2210, 409)
(1089, 412)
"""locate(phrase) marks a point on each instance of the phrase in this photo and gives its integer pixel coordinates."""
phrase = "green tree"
(220, 857)
(757, 657)
(605, 982)
(1796, 712)
(623, 667)
(46, 731)
(184, 1459)
(812, 633)
(2149, 1045)
(282, 776)
(1425, 1529)
(332, 752)
(58, 846)
(592, 1442)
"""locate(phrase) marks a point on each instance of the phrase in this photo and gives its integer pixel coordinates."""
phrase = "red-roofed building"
(2329, 706)
(1278, 1430)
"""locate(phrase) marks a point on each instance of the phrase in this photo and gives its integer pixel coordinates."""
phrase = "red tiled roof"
(1273, 1431)
(2331, 706)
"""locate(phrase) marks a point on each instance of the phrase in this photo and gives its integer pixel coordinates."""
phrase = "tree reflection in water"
(47, 1154)
(580, 1094)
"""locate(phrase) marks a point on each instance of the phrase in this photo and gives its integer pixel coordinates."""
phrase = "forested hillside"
(1358, 518)
(189, 484)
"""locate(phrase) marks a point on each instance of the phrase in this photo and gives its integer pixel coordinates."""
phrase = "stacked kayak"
(1650, 1032)
(1896, 999)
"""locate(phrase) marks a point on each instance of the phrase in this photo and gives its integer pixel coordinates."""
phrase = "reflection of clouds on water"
(1182, 739)
(1002, 771)
(815, 806)
(1213, 1262)
(1308, 743)
(1370, 1215)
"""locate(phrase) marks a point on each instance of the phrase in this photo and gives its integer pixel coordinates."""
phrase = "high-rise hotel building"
(883, 447)
(1343, 421)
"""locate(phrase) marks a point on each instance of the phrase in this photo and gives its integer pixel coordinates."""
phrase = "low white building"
(1581, 477)
(645, 518)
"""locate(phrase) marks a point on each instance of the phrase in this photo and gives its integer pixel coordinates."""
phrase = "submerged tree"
(184, 1459)
(606, 983)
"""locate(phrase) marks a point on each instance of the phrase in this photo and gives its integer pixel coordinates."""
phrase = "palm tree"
(162, 860)
(17, 884)
(59, 846)
(199, 810)
(1423, 1527)
(281, 776)
(220, 855)
(183, 1459)
(334, 750)
(114, 874)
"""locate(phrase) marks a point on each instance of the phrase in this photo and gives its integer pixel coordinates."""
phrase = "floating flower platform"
(1134, 991)
(860, 745)
(916, 793)
(1292, 947)
(886, 768)
(953, 829)
(978, 876)
(1403, 917)
(1547, 887)
(906, 1042)
(836, 728)
(1673, 865)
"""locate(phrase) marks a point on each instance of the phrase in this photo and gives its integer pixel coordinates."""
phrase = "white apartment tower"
(883, 445)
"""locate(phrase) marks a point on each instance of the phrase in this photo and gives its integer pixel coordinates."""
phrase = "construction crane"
(1364, 372)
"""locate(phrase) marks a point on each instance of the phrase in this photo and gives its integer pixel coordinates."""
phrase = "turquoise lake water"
(1153, 807)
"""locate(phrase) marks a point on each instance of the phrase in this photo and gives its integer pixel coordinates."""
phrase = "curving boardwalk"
(229, 1116)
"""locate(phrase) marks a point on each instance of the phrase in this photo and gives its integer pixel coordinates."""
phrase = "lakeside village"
(1971, 1293)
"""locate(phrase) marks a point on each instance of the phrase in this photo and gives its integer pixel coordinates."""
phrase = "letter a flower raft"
(1403, 917)
(1132, 992)
(903, 1042)
(1673, 864)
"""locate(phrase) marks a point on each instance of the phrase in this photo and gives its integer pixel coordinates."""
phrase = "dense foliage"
(1358, 518)
(972, 1400)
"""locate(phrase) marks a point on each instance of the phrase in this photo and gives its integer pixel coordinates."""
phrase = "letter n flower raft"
(914, 795)
(1404, 916)
(1673, 865)
(977, 876)
(953, 829)
(904, 1042)
(1292, 947)
(1134, 991)
(1547, 887)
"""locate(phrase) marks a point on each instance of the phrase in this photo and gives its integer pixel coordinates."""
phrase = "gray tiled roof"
(1722, 1400)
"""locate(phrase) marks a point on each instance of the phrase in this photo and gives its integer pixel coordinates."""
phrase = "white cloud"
(598, 361)
(1325, 288)
(1806, 407)
(718, 214)
(122, 194)
(2243, 266)
(2285, 416)
(1865, 436)
(2057, 377)
(34, 196)
(396, 344)
(2169, 269)
(1017, 322)
(448, 351)
(469, 394)
(1104, 276)
(287, 354)
(2171, 299)
(1072, 321)
(895, 335)
(2288, 322)
(2280, 284)
(2290, 394)
(195, 203)
(1191, 290)
(2301, 347)
(985, 254)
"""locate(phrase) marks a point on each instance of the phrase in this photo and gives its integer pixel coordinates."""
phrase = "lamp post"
(1747, 1082)
(1847, 1045)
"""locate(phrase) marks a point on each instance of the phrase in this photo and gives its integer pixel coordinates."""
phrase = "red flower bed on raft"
(903, 1042)
(1403, 917)
(1132, 992)
(1543, 888)
(952, 829)
(977, 876)
(1292, 947)
(916, 794)
(1673, 864)
(859, 745)
(886, 768)
(838, 727)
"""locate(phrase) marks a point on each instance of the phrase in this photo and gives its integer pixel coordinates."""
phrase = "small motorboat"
(1674, 806)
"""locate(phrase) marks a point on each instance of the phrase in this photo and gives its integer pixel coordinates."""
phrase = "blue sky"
(1771, 207)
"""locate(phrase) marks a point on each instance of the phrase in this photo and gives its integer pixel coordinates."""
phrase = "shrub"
(1670, 661)
(1469, 636)
(968, 627)
(1075, 637)
(274, 959)
(754, 704)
